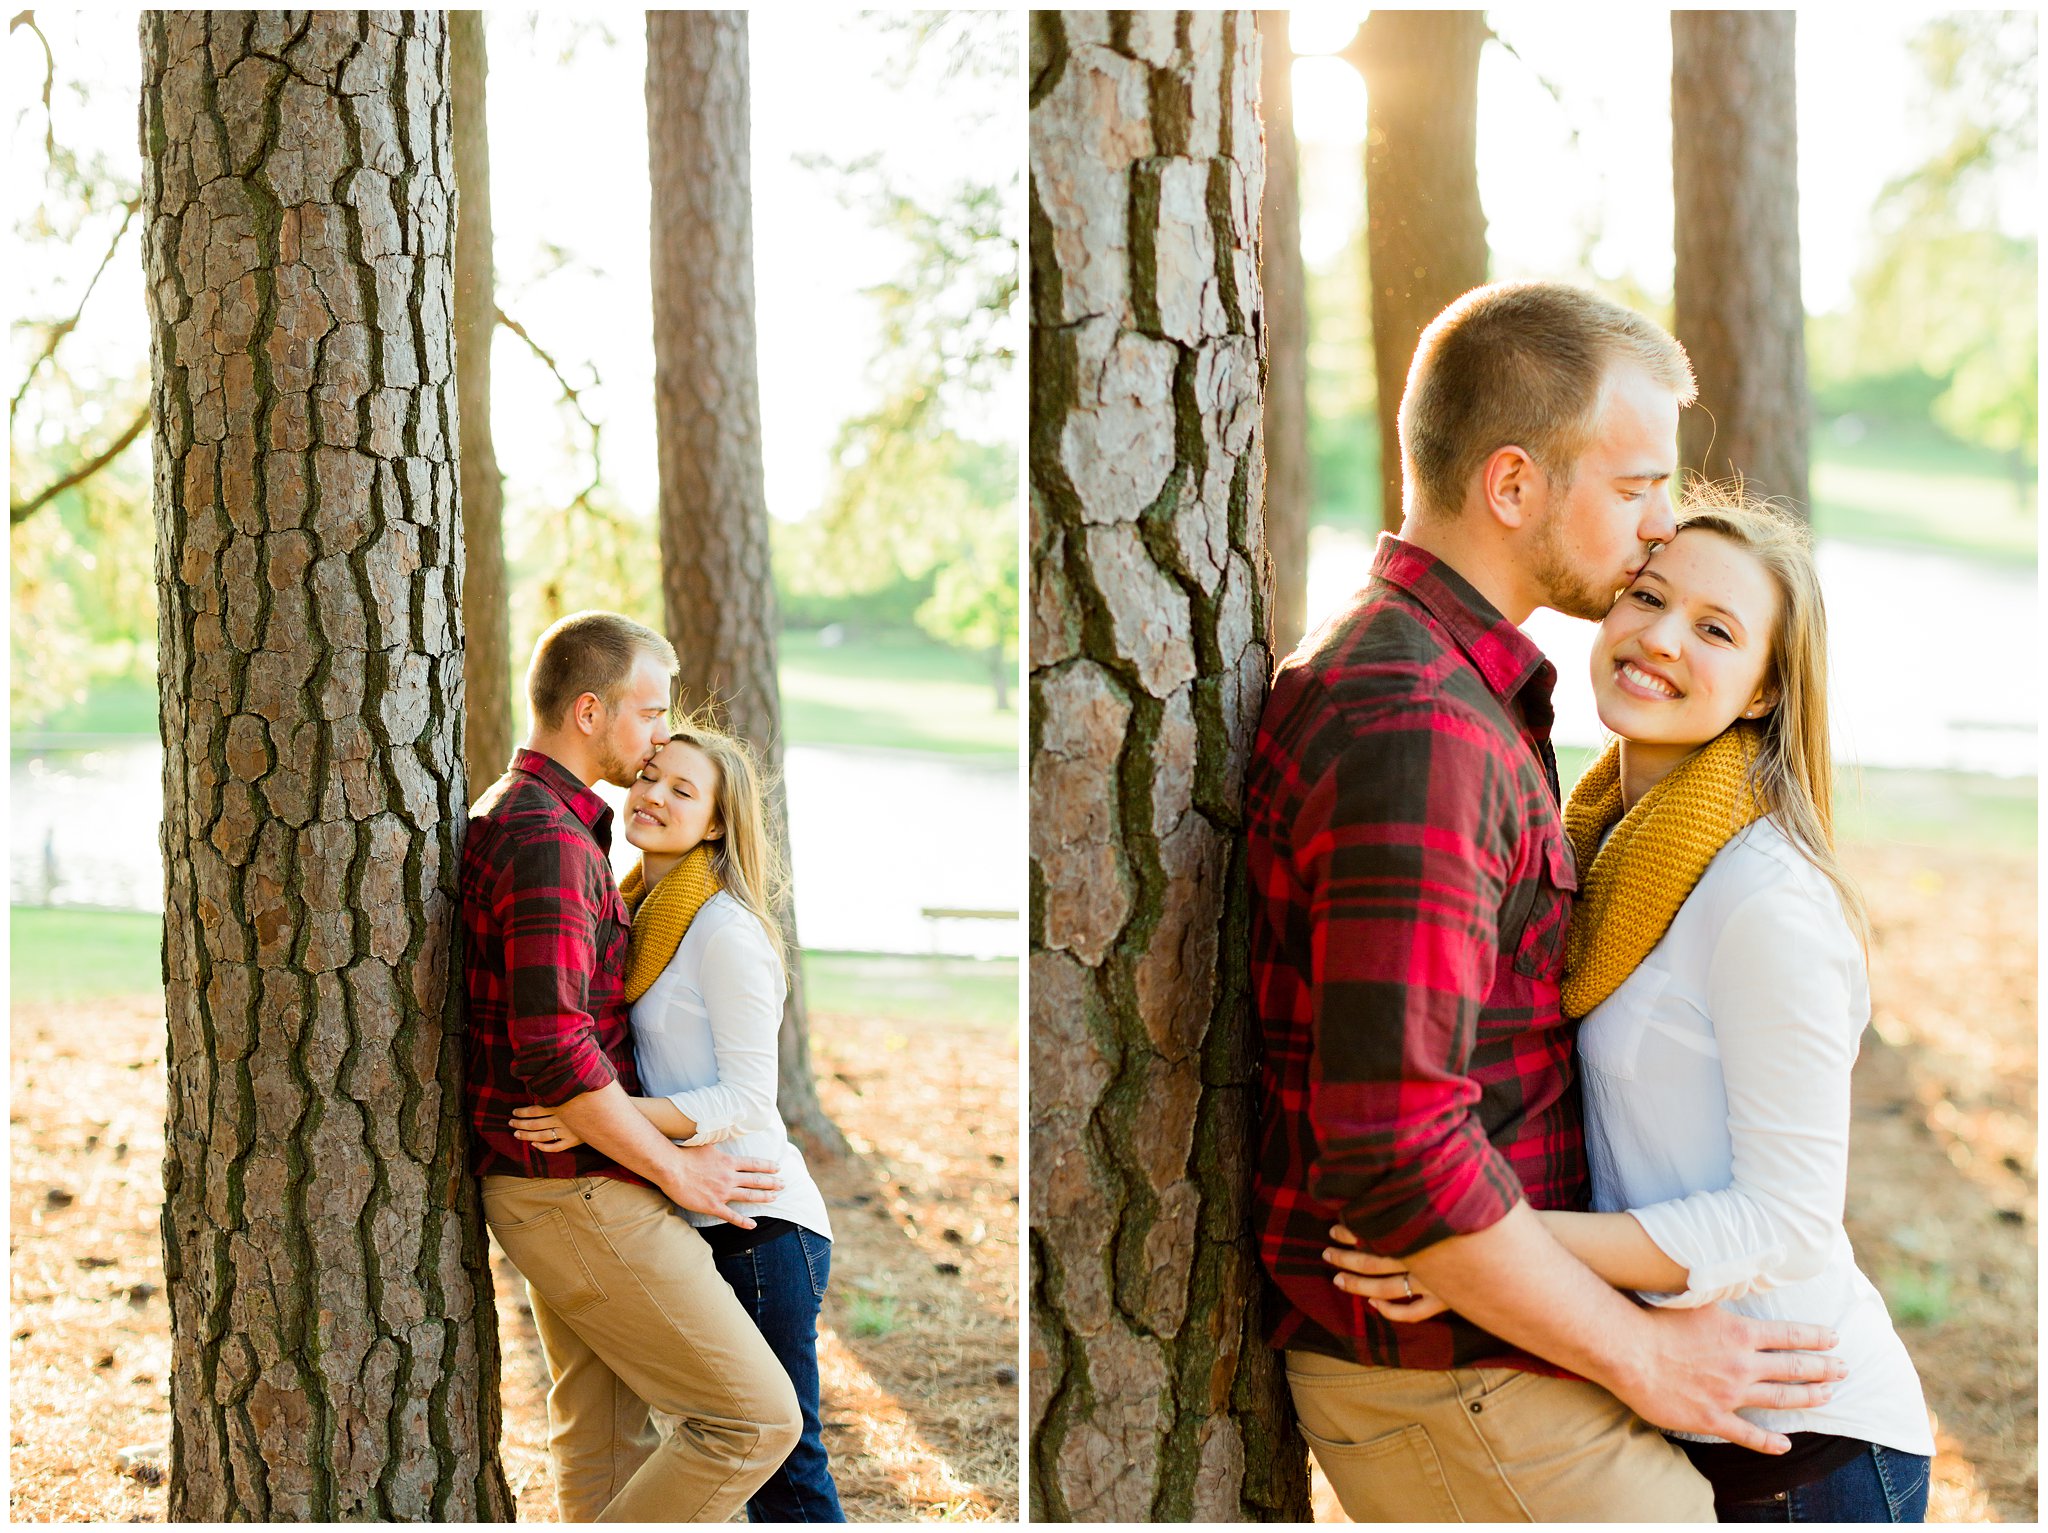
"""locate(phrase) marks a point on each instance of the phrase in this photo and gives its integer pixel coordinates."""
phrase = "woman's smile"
(1634, 677)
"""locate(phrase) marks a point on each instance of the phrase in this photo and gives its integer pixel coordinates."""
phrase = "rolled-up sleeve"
(1779, 990)
(550, 932)
(1405, 847)
(742, 987)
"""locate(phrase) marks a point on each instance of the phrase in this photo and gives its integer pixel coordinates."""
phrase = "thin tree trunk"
(487, 657)
(1281, 275)
(1153, 1396)
(1735, 183)
(1425, 232)
(334, 1348)
(716, 587)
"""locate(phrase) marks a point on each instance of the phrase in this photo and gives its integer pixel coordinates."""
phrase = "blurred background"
(1911, 208)
(885, 263)
(887, 225)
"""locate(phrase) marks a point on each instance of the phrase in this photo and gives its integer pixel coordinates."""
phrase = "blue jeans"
(1883, 1485)
(781, 1284)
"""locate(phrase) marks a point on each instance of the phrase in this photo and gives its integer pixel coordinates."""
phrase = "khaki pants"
(633, 1315)
(1487, 1445)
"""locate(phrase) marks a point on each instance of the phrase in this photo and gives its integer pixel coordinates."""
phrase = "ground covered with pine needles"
(918, 1344)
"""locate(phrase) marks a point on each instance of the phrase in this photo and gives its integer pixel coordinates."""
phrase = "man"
(1411, 887)
(631, 1310)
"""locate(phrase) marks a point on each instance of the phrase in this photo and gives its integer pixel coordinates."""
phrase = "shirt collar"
(574, 793)
(1503, 655)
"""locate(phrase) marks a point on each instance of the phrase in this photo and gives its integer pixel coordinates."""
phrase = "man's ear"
(587, 713)
(1511, 484)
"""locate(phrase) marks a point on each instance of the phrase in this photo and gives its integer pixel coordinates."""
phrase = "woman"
(1715, 959)
(705, 973)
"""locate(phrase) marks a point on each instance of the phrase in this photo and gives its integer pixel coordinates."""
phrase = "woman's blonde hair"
(1793, 775)
(750, 863)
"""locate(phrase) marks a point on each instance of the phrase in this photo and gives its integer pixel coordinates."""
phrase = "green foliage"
(917, 506)
(1944, 325)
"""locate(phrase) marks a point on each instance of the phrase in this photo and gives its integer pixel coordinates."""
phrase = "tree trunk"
(1425, 233)
(1153, 1396)
(487, 657)
(1735, 184)
(333, 1344)
(717, 592)
(1288, 488)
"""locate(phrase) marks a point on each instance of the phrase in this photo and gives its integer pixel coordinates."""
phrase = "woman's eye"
(1646, 598)
(1719, 632)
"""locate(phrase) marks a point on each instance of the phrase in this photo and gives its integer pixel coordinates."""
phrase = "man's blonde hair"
(1518, 364)
(589, 652)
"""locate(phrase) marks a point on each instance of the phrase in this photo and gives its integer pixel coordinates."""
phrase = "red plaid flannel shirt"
(543, 964)
(1411, 886)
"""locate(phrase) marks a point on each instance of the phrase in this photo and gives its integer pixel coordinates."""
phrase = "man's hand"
(706, 1180)
(1704, 1363)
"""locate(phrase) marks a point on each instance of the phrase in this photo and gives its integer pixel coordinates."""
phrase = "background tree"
(1425, 231)
(917, 501)
(334, 1346)
(1285, 284)
(486, 658)
(1153, 1396)
(717, 592)
(1736, 299)
(1943, 332)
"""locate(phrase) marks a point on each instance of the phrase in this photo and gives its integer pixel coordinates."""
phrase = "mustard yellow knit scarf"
(1630, 889)
(662, 914)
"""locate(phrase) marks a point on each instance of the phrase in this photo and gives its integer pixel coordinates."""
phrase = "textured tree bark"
(487, 655)
(1735, 184)
(1425, 232)
(333, 1344)
(1285, 285)
(1153, 1396)
(717, 592)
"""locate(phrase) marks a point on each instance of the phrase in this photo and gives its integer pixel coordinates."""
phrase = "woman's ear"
(1765, 700)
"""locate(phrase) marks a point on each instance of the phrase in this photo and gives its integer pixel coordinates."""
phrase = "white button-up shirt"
(1717, 1112)
(705, 1034)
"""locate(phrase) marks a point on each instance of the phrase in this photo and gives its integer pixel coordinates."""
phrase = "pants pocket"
(817, 1259)
(1394, 1478)
(544, 1250)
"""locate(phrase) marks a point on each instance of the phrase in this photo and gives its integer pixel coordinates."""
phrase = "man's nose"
(1660, 523)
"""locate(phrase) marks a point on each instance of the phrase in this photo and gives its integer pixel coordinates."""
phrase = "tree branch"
(573, 396)
(64, 327)
(28, 19)
(19, 511)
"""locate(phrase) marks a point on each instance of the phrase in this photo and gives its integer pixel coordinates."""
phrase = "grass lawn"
(893, 690)
(1920, 494)
(1963, 811)
(70, 955)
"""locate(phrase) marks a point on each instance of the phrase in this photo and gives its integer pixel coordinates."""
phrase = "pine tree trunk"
(487, 656)
(1285, 283)
(1735, 183)
(1153, 1396)
(1425, 233)
(717, 592)
(333, 1344)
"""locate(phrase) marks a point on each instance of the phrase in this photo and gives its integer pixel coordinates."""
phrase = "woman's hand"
(1383, 1280)
(539, 1127)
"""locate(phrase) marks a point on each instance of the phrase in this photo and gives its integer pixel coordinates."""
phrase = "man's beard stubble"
(1563, 587)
